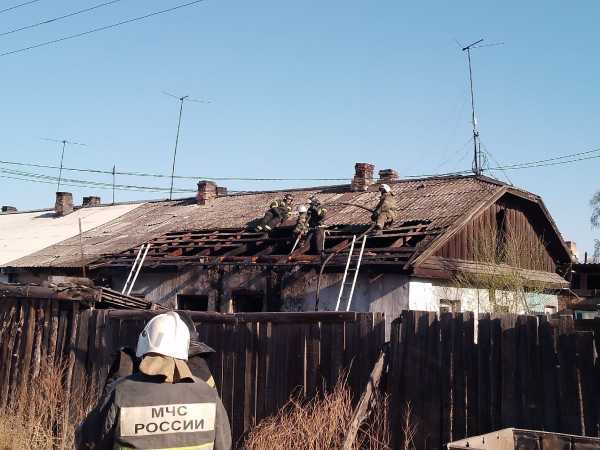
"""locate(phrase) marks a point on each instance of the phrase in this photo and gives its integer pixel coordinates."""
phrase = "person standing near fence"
(162, 406)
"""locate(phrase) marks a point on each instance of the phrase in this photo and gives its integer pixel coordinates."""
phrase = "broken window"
(247, 301)
(192, 302)
(449, 306)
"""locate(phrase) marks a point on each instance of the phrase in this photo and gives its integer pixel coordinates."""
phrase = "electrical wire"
(556, 158)
(159, 175)
(41, 178)
(18, 6)
(103, 28)
(56, 19)
(557, 163)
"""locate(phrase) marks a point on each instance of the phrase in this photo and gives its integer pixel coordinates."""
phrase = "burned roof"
(428, 206)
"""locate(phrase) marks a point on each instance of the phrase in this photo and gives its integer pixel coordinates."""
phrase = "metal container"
(517, 439)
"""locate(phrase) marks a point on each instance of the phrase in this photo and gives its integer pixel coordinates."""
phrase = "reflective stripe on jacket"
(164, 415)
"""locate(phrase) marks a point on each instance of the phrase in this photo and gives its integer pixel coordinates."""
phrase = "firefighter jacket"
(386, 205)
(281, 209)
(142, 411)
(316, 216)
(301, 227)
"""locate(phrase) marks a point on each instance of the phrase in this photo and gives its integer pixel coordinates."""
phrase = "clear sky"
(304, 89)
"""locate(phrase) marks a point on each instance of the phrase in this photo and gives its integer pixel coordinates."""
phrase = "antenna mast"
(181, 99)
(64, 143)
(476, 144)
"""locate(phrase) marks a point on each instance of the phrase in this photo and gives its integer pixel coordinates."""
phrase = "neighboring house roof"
(183, 232)
(24, 233)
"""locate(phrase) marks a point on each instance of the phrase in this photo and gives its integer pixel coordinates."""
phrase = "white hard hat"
(302, 209)
(166, 334)
(385, 187)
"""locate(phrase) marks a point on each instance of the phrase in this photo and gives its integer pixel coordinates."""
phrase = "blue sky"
(305, 89)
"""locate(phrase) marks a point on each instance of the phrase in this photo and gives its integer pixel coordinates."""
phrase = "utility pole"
(476, 145)
(63, 143)
(113, 184)
(181, 99)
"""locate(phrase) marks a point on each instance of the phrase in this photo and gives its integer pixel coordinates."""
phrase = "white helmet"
(166, 334)
(385, 187)
(302, 209)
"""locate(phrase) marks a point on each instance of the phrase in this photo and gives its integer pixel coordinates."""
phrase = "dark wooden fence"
(463, 378)
(460, 377)
(260, 360)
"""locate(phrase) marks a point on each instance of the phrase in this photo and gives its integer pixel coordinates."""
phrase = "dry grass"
(320, 423)
(41, 419)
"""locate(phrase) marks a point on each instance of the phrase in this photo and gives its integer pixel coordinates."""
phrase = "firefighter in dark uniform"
(162, 406)
(385, 212)
(278, 212)
(316, 213)
(302, 226)
(316, 218)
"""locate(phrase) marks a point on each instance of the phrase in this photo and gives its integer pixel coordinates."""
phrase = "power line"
(56, 19)
(95, 30)
(18, 6)
(572, 155)
(41, 178)
(556, 163)
(159, 175)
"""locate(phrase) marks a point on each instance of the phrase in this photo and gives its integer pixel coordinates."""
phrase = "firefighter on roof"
(302, 226)
(385, 212)
(278, 212)
(316, 213)
(162, 406)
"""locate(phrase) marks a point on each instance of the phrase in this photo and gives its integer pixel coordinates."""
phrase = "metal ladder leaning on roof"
(353, 272)
(137, 265)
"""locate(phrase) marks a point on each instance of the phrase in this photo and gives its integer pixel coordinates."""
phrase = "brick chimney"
(363, 177)
(9, 209)
(388, 176)
(64, 203)
(92, 200)
(207, 191)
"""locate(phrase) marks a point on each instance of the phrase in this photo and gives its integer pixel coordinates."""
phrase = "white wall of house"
(426, 294)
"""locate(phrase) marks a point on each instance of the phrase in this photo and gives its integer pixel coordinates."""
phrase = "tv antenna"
(181, 99)
(477, 160)
(64, 143)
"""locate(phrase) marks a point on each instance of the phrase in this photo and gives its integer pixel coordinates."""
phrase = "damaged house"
(460, 243)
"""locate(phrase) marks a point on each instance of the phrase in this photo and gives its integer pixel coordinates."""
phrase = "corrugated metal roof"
(440, 200)
(24, 233)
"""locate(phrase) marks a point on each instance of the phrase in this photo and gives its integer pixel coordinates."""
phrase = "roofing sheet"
(25, 233)
(441, 200)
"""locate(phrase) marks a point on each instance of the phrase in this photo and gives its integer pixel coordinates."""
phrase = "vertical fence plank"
(8, 346)
(459, 422)
(483, 369)
(311, 359)
(495, 372)
(395, 382)
(570, 419)
(471, 375)
(446, 324)
(262, 382)
(15, 355)
(250, 374)
(509, 377)
(588, 390)
(549, 371)
(431, 380)
(351, 356)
